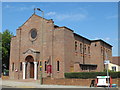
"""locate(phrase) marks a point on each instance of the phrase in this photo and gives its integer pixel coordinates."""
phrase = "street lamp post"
(108, 75)
(42, 47)
(106, 62)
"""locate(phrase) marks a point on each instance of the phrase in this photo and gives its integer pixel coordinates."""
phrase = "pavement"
(33, 84)
(36, 85)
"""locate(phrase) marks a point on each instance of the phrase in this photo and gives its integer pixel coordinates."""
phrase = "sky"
(93, 20)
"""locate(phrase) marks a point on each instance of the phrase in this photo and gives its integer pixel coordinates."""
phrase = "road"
(12, 88)
(3, 86)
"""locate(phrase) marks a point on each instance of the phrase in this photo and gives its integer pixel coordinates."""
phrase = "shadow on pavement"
(60, 89)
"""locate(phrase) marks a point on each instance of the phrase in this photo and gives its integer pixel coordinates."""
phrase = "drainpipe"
(103, 54)
(52, 59)
(19, 52)
(83, 53)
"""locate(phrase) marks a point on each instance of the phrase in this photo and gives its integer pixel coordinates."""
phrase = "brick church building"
(40, 43)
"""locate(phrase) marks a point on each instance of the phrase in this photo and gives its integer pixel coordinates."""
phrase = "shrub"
(6, 72)
(85, 75)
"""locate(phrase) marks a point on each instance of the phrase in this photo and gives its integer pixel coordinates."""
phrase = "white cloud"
(67, 16)
(23, 8)
(27, 8)
(51, 13)
(96, 38)
(112, 17)
(107, 38)
(8, 6)
(72, 17)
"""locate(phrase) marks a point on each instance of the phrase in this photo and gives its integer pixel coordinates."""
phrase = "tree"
(5, 40)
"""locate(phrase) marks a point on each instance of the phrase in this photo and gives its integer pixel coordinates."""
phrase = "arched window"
(13, 66)
(89, 49)
(81, 47)
(84, 48)
(20, 66)
(101, 50)
(45, 65)
(75, 45)
(58, 66)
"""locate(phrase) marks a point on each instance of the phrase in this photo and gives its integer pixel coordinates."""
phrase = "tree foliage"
(5, 42)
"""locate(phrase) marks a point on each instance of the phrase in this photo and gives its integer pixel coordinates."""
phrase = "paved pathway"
(33, 84)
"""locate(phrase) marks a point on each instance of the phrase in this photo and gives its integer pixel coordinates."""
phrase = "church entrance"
(31, 70)
(30, 67)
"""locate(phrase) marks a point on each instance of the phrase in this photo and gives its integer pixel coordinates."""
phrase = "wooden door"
(31, 70)
(71, 68)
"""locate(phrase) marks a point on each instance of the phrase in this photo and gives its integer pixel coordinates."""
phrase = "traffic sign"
(40, 66)
(106, 62)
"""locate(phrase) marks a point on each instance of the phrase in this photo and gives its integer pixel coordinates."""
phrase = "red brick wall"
(60, 48)
(81, 82)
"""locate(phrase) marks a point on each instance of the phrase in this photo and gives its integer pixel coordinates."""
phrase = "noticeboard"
(49, 68)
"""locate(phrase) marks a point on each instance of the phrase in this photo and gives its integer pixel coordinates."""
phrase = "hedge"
(85, 75)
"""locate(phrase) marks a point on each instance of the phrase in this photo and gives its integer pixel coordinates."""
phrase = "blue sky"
(93, 20)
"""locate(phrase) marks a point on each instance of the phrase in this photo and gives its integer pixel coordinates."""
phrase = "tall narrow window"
(12, 66)
(84, 48)
(81, 47)
(113, 68)
(20, 66)
(101, 50)
(75, 45)
(58, 64)
(45, 65)
(95, 44)
(88, 49)
(106, 51)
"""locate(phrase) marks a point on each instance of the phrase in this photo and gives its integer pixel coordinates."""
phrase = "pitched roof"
(68, 29)
(101, 41)
(82, 37)
(37, 16)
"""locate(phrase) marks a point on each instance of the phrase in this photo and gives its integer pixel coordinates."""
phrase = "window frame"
(114, 68)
